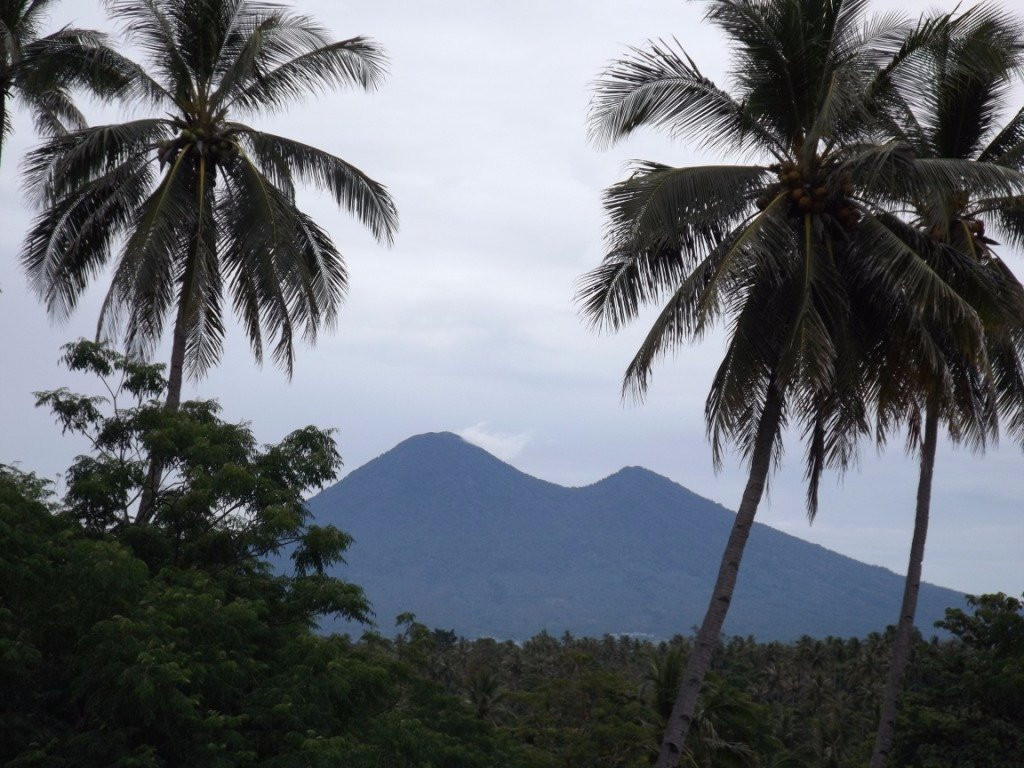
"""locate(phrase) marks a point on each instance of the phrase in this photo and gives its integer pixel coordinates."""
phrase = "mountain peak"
(637, 480)
(438, 465)
(432, 441)
(632, 473)
(443, 437)
(442, 451)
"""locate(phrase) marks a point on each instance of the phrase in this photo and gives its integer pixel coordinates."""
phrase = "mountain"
(465, 541)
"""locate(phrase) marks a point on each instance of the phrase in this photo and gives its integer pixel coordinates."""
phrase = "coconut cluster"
(976, 230)
(962, 227)
(216, 145)
(813, 193)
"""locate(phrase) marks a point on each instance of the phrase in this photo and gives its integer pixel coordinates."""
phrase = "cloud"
(504, 445)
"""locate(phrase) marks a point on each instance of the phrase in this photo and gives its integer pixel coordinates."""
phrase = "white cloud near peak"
(505, 445)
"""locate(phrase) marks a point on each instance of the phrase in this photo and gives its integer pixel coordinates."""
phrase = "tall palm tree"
(800, 253)
(725, 715)
(40, 71)
(194, 206)
(955, 114)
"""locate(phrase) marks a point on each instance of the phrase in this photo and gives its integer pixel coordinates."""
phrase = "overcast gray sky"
(467, 323)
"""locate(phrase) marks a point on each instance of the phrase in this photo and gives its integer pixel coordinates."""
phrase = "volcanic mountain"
(467, 542)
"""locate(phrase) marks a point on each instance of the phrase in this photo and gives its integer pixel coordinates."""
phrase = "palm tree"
(955, 114)
(661, 681)
(39, 71)
(724, 714)
(486, 694)
(800, 253)
(190, 203)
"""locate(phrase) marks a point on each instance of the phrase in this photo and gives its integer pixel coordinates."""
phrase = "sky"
(467, 323)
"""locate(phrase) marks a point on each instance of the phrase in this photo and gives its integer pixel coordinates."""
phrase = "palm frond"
(70, 243)
(903, 262)
(353, 190)
(150, 269)
(1007, 146)
(68, 161)
(283, 270)
(146, 24)
(701, 297)
(661, 87)
(684, 206)
(358, 61)
(53, 112)
(662, 222)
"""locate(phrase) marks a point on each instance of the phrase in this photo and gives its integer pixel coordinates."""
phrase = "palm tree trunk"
(905, 629)
(174, 381)
(4, 117)
(175, 376)
(699, 661)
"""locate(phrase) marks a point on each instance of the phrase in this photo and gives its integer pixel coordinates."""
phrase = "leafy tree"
(227, 502)
(40, 71)
(964, 699)
(192, 204)
(802, 256)
(954, 114)
(172, 641)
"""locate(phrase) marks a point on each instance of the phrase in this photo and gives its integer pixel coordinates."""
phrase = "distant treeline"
(601, 702)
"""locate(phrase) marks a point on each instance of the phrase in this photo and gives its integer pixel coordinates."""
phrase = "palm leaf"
(352, 189)
(661, 87)
(358, 61)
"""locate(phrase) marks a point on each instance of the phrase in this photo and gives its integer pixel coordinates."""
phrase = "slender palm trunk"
(176, 373)
(3, 119)
(174, 381)
(900, 654)
(707, 639)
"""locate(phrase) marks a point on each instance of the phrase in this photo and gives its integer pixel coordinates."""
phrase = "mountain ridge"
(467, 541)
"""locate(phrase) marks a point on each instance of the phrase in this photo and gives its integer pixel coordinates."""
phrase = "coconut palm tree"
(956, 114)
(726, 715)
(799, 253)
(661, 682)
(195, 207)
(40, 71)
(486, 694)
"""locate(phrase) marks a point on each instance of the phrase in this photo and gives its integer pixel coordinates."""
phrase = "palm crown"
(803, 255)
(195, 203)
(956, 114)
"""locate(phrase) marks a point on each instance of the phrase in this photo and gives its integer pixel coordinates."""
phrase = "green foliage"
(809, 704)
(226, 502)
(965, 706)
(173, 641)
